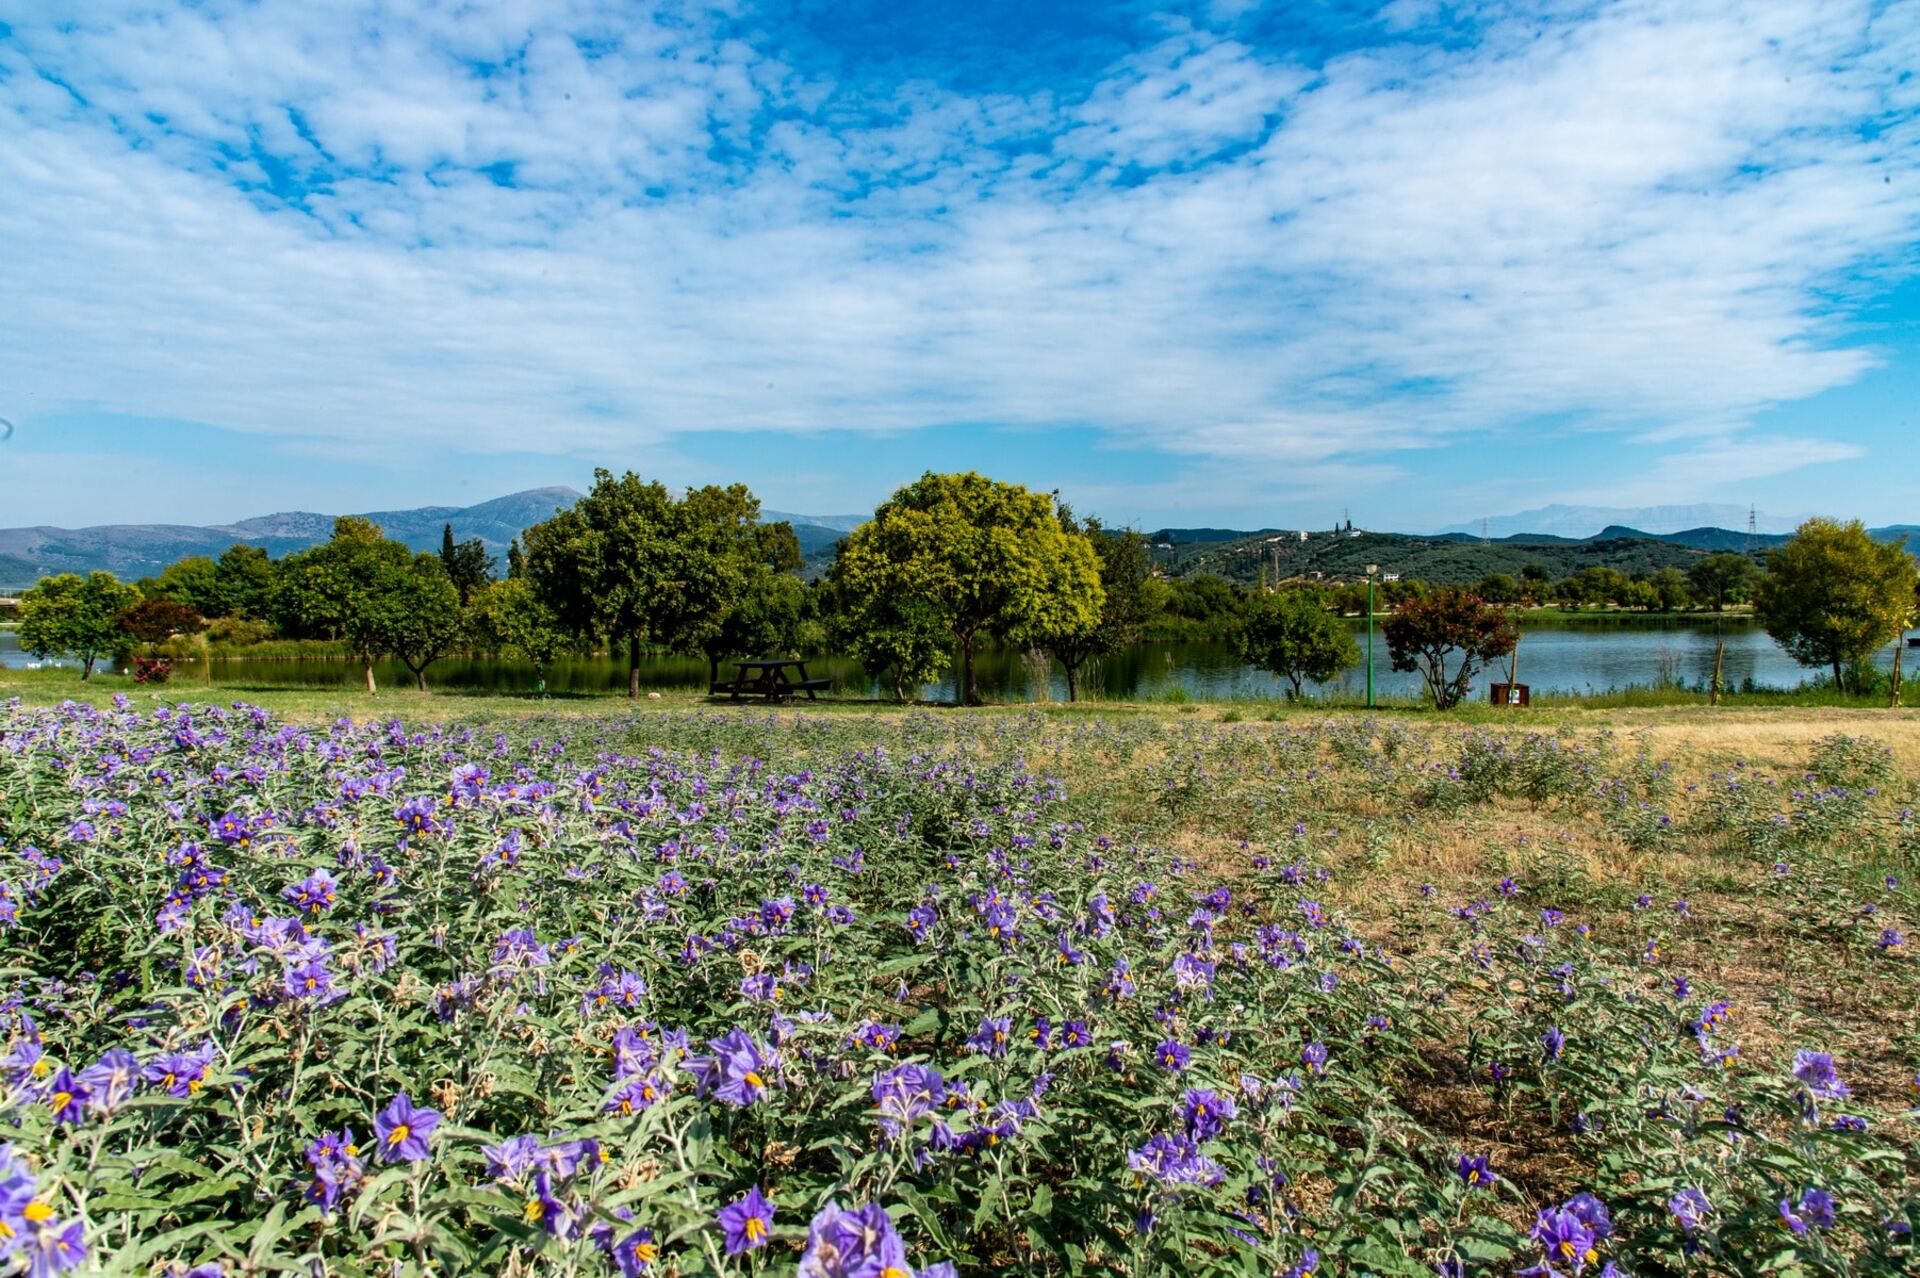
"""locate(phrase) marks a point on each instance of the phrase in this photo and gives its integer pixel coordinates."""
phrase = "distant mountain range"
(1654, 537)
(1453, 557)
(131, 551)
(1580, 522)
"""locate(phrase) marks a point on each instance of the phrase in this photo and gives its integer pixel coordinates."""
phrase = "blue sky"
(1222, 263)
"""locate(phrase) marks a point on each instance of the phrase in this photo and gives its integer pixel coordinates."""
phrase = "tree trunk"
(366, 669)
(420, 677)
(1294, 679)
(86, 667)
(633, 667)
(1839, 685)
(899, 688)
(713, 670)
(969, 695)
(1073, 679)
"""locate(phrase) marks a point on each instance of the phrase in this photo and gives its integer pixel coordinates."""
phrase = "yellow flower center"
(646, 1253)
(535, 1210)
(39, 1213)
(754, 1080)
(755, 1229)
(893, 1271)
(351, 1150)
(60, 1101)
(398, 1134)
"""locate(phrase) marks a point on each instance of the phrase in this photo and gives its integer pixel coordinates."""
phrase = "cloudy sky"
(1218, 263)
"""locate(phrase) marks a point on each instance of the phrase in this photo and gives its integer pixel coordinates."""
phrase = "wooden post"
(1894, 700)
(1719, 657)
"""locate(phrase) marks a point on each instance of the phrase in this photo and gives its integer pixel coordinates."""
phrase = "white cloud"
(1648, 218)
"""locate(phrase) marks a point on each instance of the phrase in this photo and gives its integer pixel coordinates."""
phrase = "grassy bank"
(44, 687)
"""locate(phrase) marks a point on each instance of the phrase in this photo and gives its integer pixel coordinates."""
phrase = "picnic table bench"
(770, 679)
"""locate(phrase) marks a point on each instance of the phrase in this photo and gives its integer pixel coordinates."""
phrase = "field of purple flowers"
(875, 998)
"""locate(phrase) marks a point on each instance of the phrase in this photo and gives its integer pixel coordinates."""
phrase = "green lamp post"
(1371, 570)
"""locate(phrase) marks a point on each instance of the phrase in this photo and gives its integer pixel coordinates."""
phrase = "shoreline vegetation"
(51, 686)
(951, 575)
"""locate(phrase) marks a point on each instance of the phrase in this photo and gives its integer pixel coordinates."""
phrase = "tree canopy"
(1291, 635)
(75, 616)
(509, 617)
(630, 562)
(987, 557)
(1722, 578)
(1833, 596)
(360, 587)
(432, 620)
(1449, 626)
(467, 564)
(1124, 606)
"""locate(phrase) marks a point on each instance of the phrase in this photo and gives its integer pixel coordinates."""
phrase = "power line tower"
(1484, 537)
(1753, 527)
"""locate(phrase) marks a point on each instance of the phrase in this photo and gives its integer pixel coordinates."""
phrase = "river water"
(1560, 659)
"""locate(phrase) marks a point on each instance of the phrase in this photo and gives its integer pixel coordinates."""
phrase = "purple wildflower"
(403, 1129)
(747, 1221)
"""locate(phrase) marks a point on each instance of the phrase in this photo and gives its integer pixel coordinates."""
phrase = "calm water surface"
(1570, 659)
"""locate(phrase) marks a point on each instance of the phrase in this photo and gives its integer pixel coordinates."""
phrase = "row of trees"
(947, 564)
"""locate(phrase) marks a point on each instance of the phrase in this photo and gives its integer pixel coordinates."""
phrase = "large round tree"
(630, 562)
(986, 558)
(1833, 596)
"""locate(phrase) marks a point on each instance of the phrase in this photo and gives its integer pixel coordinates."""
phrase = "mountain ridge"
(1582, 522)
(136, 550)
(131, 551)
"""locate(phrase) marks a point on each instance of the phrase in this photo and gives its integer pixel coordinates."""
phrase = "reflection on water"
(1563, 659)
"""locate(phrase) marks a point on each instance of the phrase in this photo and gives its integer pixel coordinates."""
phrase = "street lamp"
(1371, 570)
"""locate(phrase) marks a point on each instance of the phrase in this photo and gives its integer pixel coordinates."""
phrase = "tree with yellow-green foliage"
(1833, 596)
(976, 557)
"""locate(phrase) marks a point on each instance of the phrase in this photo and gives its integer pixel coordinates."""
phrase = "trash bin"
(1511, 694)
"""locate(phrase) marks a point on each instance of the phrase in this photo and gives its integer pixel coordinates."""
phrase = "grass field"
(1117, 988)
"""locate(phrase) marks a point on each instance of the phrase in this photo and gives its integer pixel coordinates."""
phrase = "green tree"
(1291, 635)
(1672, 588)
(71, 615)
(432, 621)
(247, 580)
(629, 562)
(357, 587)
(1722, 578)
(1446, 626)
(467, 564)
(1833, 596)
(1595, 587)
(510, 619)
(767, 606)
(901, 638)
(1638, 594)
(1501, 588)
(991, 557)
(516, 561)
(1124, 575)
(192, 582)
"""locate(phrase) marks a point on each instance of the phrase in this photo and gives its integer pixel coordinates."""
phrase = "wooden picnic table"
(770, 679)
